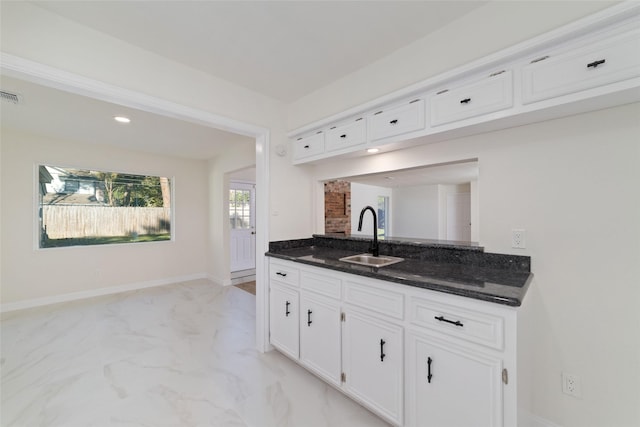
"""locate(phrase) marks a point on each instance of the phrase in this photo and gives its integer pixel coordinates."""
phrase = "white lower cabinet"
(373, 363)
(415, 357)
(283, 317)
(451, 386)
(320, 336)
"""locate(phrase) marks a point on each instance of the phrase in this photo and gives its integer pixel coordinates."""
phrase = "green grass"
(90, 241)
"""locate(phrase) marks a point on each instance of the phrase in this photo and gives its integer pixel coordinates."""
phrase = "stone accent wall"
(337, 207)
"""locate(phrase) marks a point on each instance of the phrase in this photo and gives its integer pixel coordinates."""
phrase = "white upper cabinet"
(587, 65)
(347, 135)
(397, 120)
(309, 146)
(596, 64)
(490, 94)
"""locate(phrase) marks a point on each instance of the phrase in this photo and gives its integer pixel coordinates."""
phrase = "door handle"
(286, 309)
(429, 376)
(382, 355)
(309, 322)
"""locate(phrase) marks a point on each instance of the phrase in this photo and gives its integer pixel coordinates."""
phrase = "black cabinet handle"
(382, 355)
(309, 317)
(442, 319)
(595, 64)
(279, 273)
(465, 101)
(306, 146)
(393, 122)
(429, 376)
(286, 309)
(343, 136)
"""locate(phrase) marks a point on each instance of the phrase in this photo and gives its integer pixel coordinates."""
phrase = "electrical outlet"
(571, 385)
(517, 239)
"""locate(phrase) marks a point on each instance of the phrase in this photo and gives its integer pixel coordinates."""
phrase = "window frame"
(36, 238)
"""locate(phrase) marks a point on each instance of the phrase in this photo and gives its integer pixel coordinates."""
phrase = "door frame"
(243, 185)
(46, 75)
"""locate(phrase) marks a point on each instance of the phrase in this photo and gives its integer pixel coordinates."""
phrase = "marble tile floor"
(178, 355)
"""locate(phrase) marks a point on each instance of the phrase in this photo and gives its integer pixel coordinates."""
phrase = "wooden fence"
(62, 222)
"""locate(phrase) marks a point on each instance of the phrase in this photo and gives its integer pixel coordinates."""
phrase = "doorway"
(242, 226)
(459, 217)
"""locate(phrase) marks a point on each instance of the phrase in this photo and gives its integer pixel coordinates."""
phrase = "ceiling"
(62, 115)
(449, 173)
(283, 49)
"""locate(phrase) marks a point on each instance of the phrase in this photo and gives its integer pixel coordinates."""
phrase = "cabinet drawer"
(374, 299)
(309, 146)
(322, 284)
(609, 61)
(486, 96)
(397, 120)
(463, 323)
(345, 136)
(284, 273)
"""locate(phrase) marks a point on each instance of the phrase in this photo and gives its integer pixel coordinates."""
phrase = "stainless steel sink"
(372, 261)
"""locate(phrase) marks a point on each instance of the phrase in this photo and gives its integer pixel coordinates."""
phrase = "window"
(383, 208)
(240, 208)
(85, 207)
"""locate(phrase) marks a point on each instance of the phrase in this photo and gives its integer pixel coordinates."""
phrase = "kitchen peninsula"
(412, 340)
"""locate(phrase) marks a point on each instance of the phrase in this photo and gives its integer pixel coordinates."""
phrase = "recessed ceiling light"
(122, 119)
(373, 150)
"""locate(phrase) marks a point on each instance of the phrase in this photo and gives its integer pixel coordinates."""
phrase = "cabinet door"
(373, 360)
(491, 94)
(450, 386)
(309, 146)
(398, 120)
(346, 136)
(320, 336)
(597, 64)
(283, 319)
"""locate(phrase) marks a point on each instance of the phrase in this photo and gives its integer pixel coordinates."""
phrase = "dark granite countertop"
(501, 279)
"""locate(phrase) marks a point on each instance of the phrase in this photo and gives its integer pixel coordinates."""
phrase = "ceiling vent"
(10, 97)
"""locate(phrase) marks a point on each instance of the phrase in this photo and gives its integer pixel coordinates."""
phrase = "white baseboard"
(245, 279)
(73, 296)
(531, 420)
(218, 281)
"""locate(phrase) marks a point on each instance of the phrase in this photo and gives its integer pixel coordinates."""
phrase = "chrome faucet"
(374, 249)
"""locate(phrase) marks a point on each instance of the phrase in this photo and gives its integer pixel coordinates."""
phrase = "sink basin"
(372, 261)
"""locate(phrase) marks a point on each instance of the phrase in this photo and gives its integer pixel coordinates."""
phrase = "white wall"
(29, 273)
(415, 211)
(361, 196)
(571, 184)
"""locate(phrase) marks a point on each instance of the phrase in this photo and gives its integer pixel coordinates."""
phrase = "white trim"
(574, 29)
(529, 420)
(92, 293)
(24, 69)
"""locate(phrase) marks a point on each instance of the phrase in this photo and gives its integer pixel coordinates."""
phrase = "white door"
(243, 230)
(459, 217)
(283, 318)
(372, 361)
(320, 336)
(448, 386)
